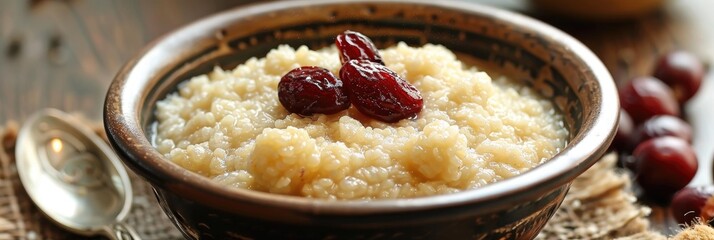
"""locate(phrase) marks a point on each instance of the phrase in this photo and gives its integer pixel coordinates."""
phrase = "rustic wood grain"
(64, 53)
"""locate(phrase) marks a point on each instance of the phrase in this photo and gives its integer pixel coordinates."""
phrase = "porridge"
(228, 125)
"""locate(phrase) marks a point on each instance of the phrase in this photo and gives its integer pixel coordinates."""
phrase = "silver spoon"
(73, 176)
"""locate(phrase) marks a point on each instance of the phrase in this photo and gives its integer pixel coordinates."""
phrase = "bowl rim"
(124, 100)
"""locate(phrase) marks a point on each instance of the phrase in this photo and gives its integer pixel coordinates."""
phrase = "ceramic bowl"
(528, 51)
(598, 10)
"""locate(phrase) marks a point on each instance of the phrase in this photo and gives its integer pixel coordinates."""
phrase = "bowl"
(532, 53)
(598, 10)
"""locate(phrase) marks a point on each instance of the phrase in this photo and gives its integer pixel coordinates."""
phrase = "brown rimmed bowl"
(528, 51)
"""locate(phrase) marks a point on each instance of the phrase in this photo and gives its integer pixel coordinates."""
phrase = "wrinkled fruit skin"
(354, 45)
(380, 93)
(688, 203)
(683, 72)
(663, 125)
(309, 90)
(663, 166)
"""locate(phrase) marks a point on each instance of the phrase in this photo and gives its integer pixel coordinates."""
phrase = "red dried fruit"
(707, 213)
(682, 71)
(645, 97)
(664, 165)
(354, 45)
(623, 136)
(688, 204)
(663, 125)
(380, 93)
(310, 90)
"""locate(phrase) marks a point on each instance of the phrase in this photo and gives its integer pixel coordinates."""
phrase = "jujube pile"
(365, 82)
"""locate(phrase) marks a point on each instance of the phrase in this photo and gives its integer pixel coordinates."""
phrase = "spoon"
(73, 176)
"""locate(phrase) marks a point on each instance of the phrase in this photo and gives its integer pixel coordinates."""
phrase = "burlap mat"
(598, 206)
(20, 219)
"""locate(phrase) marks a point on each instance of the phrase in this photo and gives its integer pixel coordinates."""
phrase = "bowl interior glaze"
(530, 52)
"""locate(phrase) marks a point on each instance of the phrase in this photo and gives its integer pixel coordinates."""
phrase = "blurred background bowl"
(598, 10)
(528, 51)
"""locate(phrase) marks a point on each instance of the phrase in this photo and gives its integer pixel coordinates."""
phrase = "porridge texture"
(472, 131)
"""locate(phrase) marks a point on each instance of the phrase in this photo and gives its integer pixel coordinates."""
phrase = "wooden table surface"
(64, 53)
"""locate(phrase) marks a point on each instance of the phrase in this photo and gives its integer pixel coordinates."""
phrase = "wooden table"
(64, 53)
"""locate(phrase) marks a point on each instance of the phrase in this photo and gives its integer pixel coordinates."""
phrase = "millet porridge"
(472, 131)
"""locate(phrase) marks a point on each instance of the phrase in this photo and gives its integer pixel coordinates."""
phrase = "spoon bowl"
(73, 176)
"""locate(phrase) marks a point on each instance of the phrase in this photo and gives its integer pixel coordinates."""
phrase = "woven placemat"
(20, 219)
(598, 206)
